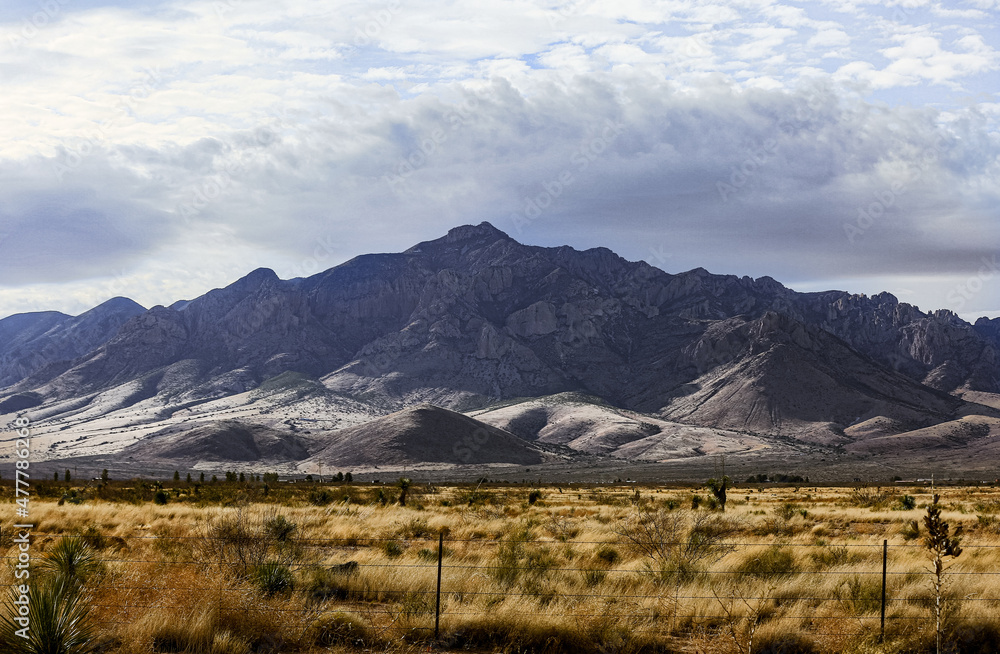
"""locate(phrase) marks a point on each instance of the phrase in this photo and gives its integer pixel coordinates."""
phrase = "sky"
(157, 150)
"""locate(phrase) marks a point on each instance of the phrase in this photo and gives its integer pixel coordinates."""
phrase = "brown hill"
(223, 440)
(425, 434)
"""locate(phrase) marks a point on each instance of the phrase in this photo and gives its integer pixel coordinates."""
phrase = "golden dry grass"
(554, 576)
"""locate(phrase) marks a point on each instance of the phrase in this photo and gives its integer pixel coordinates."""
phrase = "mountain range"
(543, 354)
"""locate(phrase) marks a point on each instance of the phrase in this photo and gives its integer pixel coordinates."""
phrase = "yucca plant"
(273, 578)
(71, 559)
(57, 617)
(940, 545)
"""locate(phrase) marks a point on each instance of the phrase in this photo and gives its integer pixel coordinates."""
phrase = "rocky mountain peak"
(482, 231)
(459, 239)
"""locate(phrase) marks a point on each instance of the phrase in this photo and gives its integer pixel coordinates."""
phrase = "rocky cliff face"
(475, 317)
(30, 342)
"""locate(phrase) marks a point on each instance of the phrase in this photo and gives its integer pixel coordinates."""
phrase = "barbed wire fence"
(435, 588)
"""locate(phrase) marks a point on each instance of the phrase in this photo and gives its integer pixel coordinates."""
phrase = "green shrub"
(279, 528)
(534, 496)
(393, 548)
(273, 578)
(320, 498)
(160, 497)
(786, 511)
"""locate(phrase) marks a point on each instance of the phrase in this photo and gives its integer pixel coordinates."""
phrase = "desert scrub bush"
(785, 644)
(773, 562)
(414, 528)
(507, 567)
(786, 511)
(323, 584)
(871, 498)
(58, 619)
(94, 537)
(910, 530)
(608, 554)
(393, 548)
(273, 578)
(340, 629)
(197, 631)
(561, 528)
(676, 543)
(860, 595)
(237, 541)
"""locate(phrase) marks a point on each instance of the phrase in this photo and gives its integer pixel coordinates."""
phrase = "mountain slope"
(474, 318)
(30, 342)
(786, 378)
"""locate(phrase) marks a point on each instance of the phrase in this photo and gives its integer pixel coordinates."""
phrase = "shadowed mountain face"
(224, 440)
(30, 342)
(475, 317)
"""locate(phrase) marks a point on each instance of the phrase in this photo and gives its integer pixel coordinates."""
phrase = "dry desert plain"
(232, 568)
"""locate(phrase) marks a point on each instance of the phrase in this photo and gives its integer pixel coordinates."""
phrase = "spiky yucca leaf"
(71, 558)
(58, 620)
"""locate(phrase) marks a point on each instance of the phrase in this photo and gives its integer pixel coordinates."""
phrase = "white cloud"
(282, 126)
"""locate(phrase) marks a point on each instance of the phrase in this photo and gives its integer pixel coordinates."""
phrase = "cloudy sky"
(160, 149)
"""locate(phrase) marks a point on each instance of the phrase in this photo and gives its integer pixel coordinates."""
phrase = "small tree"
(718, 488)
(189, 478)
(201, 478)
(177, 475)
(940, 545)
(348, 477)
(104, 476)
(68, 477)
(404, 486)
